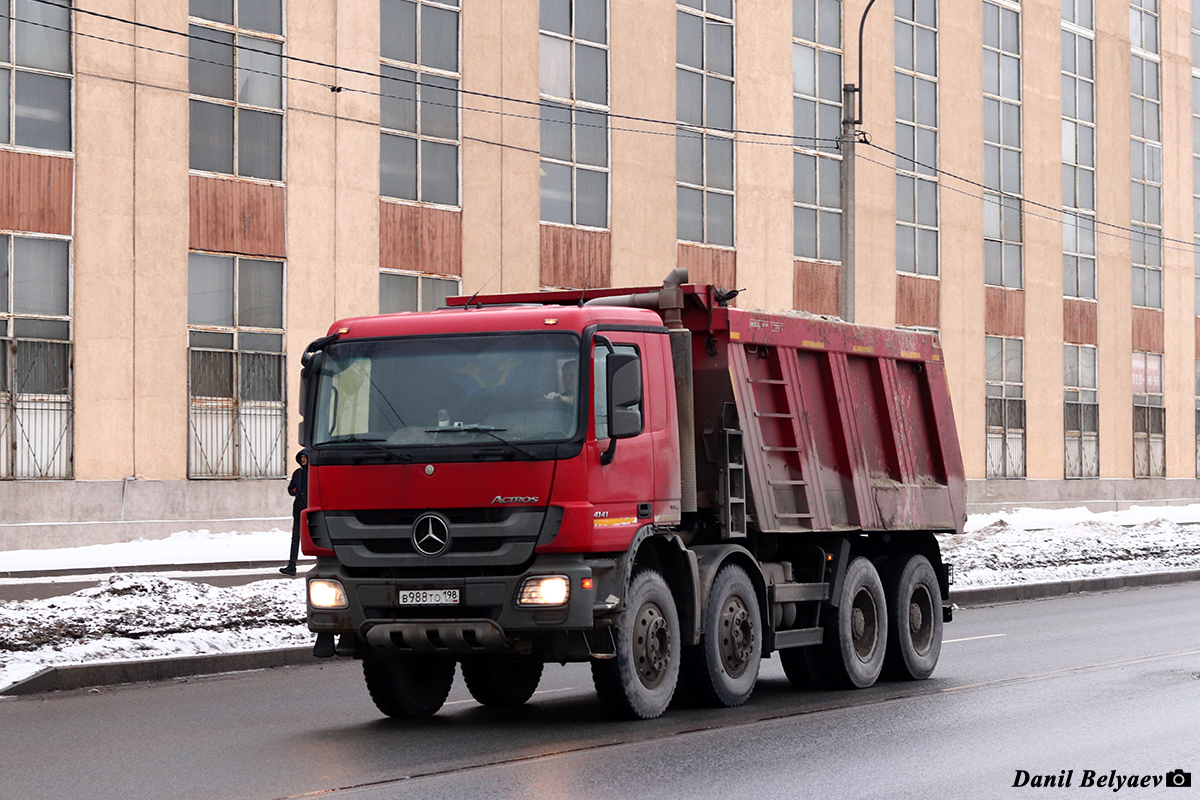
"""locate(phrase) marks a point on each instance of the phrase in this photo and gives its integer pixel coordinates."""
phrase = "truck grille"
(478, 536)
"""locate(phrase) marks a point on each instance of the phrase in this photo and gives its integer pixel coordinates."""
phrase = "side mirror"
(308, 394)
(624, 374)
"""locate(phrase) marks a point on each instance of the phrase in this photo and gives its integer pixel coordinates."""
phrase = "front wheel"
(724, 668)
(914, 600)
(640, 681)
(856, 633)
(407, 684)
(496, 682)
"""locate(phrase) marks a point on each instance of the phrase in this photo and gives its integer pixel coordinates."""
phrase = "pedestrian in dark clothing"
(298, 489)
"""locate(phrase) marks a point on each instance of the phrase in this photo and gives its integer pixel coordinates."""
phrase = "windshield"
(449, 391)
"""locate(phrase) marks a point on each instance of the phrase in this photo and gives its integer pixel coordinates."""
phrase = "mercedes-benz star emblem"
(430, 535)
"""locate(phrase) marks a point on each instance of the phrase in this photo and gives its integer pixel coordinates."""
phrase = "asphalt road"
(1095, 682)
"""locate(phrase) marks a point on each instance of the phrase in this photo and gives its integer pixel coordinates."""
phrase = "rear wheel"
(855, 642)
(496, 682)
(724, 667)
(640, 681)
(407, 684)
(914, 600)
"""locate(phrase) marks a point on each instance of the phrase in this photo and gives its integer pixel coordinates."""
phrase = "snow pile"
(999, 553)
(144, 616)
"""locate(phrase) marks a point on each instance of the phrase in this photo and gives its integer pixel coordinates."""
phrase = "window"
(1005, 407)
(419, 107)
(1198, 418)
(237, 413)
(1149, 417)
(1002, 246)
(235, 76)
(1081, 412)
(817, 120)
(35, 74)
(1145, 155)
(408, 291)
(600, 382)
(574, 114)
(704, 109)
(36, 409)
(1078, 154)
(916, 137)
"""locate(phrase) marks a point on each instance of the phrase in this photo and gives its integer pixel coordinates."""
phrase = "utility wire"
(789, 139)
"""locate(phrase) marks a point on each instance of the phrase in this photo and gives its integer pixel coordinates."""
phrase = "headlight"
(545, 590)
(327, 594)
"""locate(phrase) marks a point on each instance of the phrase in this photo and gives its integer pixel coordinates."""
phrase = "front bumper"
(487, 619)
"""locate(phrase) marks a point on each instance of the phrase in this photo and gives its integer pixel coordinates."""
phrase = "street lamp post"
(851, 119)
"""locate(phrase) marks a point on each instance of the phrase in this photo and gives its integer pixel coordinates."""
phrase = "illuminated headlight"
(327, 594)
(545, 590)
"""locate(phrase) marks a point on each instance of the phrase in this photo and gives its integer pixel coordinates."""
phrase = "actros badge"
(430, 535)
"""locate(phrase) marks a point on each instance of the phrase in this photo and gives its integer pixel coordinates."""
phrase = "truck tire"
(497, 682)
(914, 601)
(408, 685)
(852, 653)
(723, 668)
(640, 680)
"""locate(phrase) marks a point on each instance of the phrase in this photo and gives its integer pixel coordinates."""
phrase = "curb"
(81, 676)
(109, 673)
(1020, 592)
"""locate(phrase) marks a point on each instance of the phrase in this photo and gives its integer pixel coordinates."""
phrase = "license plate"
(427, 597)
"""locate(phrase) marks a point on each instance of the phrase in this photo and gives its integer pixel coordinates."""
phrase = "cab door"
(621, 490)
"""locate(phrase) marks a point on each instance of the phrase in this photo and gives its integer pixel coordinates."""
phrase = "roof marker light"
(551, 321)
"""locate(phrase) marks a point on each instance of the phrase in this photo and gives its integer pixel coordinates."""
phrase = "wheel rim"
(736, 636)
(864, 625)
(920, 619)
(651, 645)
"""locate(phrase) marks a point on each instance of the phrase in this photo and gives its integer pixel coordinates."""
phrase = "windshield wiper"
(351, 438)
(485, 429)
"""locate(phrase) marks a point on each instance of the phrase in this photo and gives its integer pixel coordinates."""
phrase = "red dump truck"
(647, 480)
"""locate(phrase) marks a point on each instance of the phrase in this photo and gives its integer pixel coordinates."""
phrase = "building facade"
(192, 190)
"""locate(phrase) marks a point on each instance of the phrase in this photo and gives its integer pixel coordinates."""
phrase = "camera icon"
(1180, 778)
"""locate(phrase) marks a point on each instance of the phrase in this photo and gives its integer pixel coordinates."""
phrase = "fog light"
(545, 590)
(327, 594)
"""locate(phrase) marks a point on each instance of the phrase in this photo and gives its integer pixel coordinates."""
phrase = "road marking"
(973, 638)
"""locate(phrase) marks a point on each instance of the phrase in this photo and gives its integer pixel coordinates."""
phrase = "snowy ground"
(158, 614)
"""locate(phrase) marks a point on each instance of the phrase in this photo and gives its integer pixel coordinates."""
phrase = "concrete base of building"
(1095, 494)
(38, 515)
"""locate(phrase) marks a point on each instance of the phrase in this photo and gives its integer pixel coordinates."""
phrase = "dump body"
(845, 426)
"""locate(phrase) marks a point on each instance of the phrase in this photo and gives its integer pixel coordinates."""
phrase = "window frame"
(824, 156)
(240, 408)
(418, 135)
(573, 105)
(1009, 396)
(419, 277)
(14, 68)
(706, 132)
(237, 104)
(914, 177)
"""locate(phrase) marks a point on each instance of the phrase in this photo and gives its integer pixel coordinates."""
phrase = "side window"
(600, 384)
